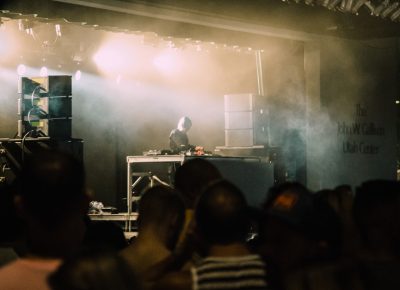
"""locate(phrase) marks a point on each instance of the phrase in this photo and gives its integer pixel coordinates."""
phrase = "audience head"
(221, 214)
(340, 198)
(278, 189)
(94, 271)
(192, 177)
(105, 235)
(52, 187)
(162, 209)
(10, 223)
(52, 202)
(297, 228)
(376, 211)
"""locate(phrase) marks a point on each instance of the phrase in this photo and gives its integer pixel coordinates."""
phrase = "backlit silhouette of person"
(178, 139)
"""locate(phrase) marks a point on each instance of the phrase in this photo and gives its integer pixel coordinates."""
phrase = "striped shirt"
(243, 272)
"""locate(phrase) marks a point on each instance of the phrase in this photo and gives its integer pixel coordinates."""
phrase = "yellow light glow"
(44, 72)
(21, 69)
(118, 79)
(7, 43)
(117, 55)
(78, 75)
(168, 61)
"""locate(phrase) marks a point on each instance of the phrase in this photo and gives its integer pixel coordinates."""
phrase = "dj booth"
(253, 175)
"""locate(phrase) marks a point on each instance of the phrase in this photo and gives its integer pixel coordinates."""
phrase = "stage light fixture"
(381, 8)
(58, 30)
(332, 5)
(78, 75)
(395, 15)
(325, 3)
(21, 69)
(389, 9)
(342, 5)
(44, 71)
(378, 10)
(26, 26)
(150, 39)
(21, 26)
(30, 32)
(370, 6)
(346, 5)
(357, 6)
(180, 43)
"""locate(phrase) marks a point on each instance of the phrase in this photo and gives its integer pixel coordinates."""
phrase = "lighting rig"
(385, 9)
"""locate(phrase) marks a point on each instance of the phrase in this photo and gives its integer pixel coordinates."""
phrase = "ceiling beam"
(193, 17)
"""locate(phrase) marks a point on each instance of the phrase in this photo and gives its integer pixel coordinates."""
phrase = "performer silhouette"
(178, 139)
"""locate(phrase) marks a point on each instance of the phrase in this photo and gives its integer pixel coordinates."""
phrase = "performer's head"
(184, 124)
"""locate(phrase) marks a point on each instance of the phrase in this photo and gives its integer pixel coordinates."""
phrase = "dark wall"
(359, 86)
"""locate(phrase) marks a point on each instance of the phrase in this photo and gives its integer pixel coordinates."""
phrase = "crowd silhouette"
(200, 234)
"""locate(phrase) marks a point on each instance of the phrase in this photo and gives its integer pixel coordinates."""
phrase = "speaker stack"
(239, 120)
(45, 107)
(246, 123)
(45, 117)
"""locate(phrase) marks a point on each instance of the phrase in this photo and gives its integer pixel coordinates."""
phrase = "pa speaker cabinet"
(239, 138)
(57, 107)
(60, 129)
(27, 86)
(52, 85)
(239, 102)
(52, 107)
(238, 120)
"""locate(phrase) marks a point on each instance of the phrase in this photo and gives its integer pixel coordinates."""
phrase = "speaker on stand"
(45, 122)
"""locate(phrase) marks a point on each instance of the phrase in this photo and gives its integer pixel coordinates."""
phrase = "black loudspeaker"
(45, 107)
(50, 86)
(58, 128)
(55, 107)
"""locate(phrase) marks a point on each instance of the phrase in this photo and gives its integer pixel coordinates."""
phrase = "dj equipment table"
(136, 175)
(124, 218)
(253, 175)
